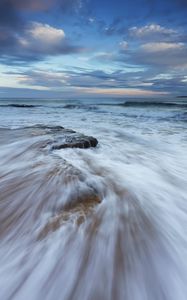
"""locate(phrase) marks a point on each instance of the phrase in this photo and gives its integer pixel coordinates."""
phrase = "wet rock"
(45, 180)
(75, 141)
(54, 137)
(75, 213)
(61, 137)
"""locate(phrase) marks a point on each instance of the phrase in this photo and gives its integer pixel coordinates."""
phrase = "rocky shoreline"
(54, 172)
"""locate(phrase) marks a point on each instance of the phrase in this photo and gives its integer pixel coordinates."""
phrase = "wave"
(96, 106)
(71, 106)
(152, 103)
(80, 106)
(20, 105)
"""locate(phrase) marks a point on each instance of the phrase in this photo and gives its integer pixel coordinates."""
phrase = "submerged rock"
(57, 137)
(75, 141)
(75, 213)
(68, 138)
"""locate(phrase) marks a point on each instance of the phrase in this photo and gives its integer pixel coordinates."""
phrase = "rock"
(75, 213)
(57, 137)
(58, 178)
(75, 141)
(61, 137)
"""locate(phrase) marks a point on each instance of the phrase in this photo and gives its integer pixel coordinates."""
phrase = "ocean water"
(129, 241)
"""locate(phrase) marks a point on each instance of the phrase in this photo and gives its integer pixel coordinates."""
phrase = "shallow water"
(105, 223)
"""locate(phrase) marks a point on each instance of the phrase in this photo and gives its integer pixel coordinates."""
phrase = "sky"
(93, 48)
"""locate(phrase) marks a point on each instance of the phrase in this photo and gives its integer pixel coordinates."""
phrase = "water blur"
(108, 223)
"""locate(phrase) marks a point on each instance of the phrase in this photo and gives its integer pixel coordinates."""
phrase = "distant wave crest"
(152, 103)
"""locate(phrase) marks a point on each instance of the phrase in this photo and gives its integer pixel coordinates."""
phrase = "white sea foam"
(133, 245)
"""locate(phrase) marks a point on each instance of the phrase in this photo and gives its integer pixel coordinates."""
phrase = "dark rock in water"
(55, 137)
(75, 141)
(64, 138)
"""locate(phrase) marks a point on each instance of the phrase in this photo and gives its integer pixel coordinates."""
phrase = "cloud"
(42, 38)
(73, 93)
(174, 84)
(150, 30)
(154, 52)
(98, 82)
(158, 60)
(24, 41)
(156, 33)
(75, 78)
(83, 78)
(150, 46)
(123, 92)
(165, 67)
(147, 32)
(43, 79)
(162, 56)
(162, 47)
(34, 43)
(46, 33)
(117, 83)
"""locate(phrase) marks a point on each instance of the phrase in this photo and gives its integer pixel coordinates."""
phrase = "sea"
(129, 240)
